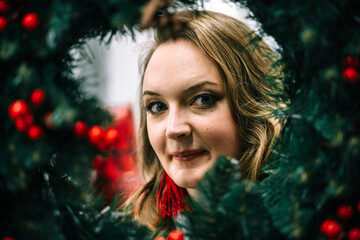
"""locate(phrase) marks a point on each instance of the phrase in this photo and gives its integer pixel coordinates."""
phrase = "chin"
(188, 182)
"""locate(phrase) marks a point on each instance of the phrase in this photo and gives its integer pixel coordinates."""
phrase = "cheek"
(156, 136)
(221, 135)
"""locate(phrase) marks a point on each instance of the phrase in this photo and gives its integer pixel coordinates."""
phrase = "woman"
(203, 95)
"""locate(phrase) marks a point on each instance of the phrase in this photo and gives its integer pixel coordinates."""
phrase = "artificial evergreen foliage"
(230, 208)
(317, 165)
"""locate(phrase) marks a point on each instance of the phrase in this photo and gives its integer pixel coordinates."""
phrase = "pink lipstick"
(187, 155)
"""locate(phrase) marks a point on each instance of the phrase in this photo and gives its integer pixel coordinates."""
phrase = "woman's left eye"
(205, 100)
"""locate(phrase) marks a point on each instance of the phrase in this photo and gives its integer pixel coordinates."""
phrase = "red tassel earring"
(170, 197)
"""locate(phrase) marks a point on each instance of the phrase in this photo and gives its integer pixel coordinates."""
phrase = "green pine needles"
(229, 208)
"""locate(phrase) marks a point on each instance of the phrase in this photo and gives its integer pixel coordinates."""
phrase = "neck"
(193, 193)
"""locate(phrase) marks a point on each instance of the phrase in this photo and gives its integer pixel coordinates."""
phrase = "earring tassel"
(170, 197)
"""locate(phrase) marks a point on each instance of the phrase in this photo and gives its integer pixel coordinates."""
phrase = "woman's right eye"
(155, 107)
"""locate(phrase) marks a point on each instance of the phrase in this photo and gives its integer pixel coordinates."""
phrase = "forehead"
(179, 63)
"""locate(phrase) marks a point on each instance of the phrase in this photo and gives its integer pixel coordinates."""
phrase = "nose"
(178, 126)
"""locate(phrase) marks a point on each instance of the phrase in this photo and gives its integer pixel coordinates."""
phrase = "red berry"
(344, 212)
(95, 134)
(351, 61)
(350, 74)
(109, 170)
(30, 21)
(35, 132)
(80, 128)
(98, 162)
(160, 238)
(8, 238)
(111, 135)
(23, 123)
(330, 228)
(3, 23)
(4, 7)
(354, 234)
(176, 235)
(18, 108)
(37, 97)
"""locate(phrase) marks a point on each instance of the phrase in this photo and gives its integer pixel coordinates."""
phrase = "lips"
(187, 155)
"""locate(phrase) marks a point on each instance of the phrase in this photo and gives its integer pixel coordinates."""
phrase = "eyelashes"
(201, 101)
(205, 100)
(155, 107)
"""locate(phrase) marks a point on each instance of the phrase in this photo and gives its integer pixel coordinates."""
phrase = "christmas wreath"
(312, 188)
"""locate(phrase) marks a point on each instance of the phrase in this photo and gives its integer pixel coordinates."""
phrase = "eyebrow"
(190, 89)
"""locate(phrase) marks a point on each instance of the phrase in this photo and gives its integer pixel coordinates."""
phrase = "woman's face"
(189, 121)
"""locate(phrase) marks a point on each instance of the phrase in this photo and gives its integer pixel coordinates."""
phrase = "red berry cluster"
(22, 116)
(20, 113)
(173, 235)
(351, 72)
(30, 21)
(106, 167)
(104, 140)
(115, 165)
(332, 229)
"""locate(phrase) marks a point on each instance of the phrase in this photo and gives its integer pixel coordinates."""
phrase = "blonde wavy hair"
(243, 59)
